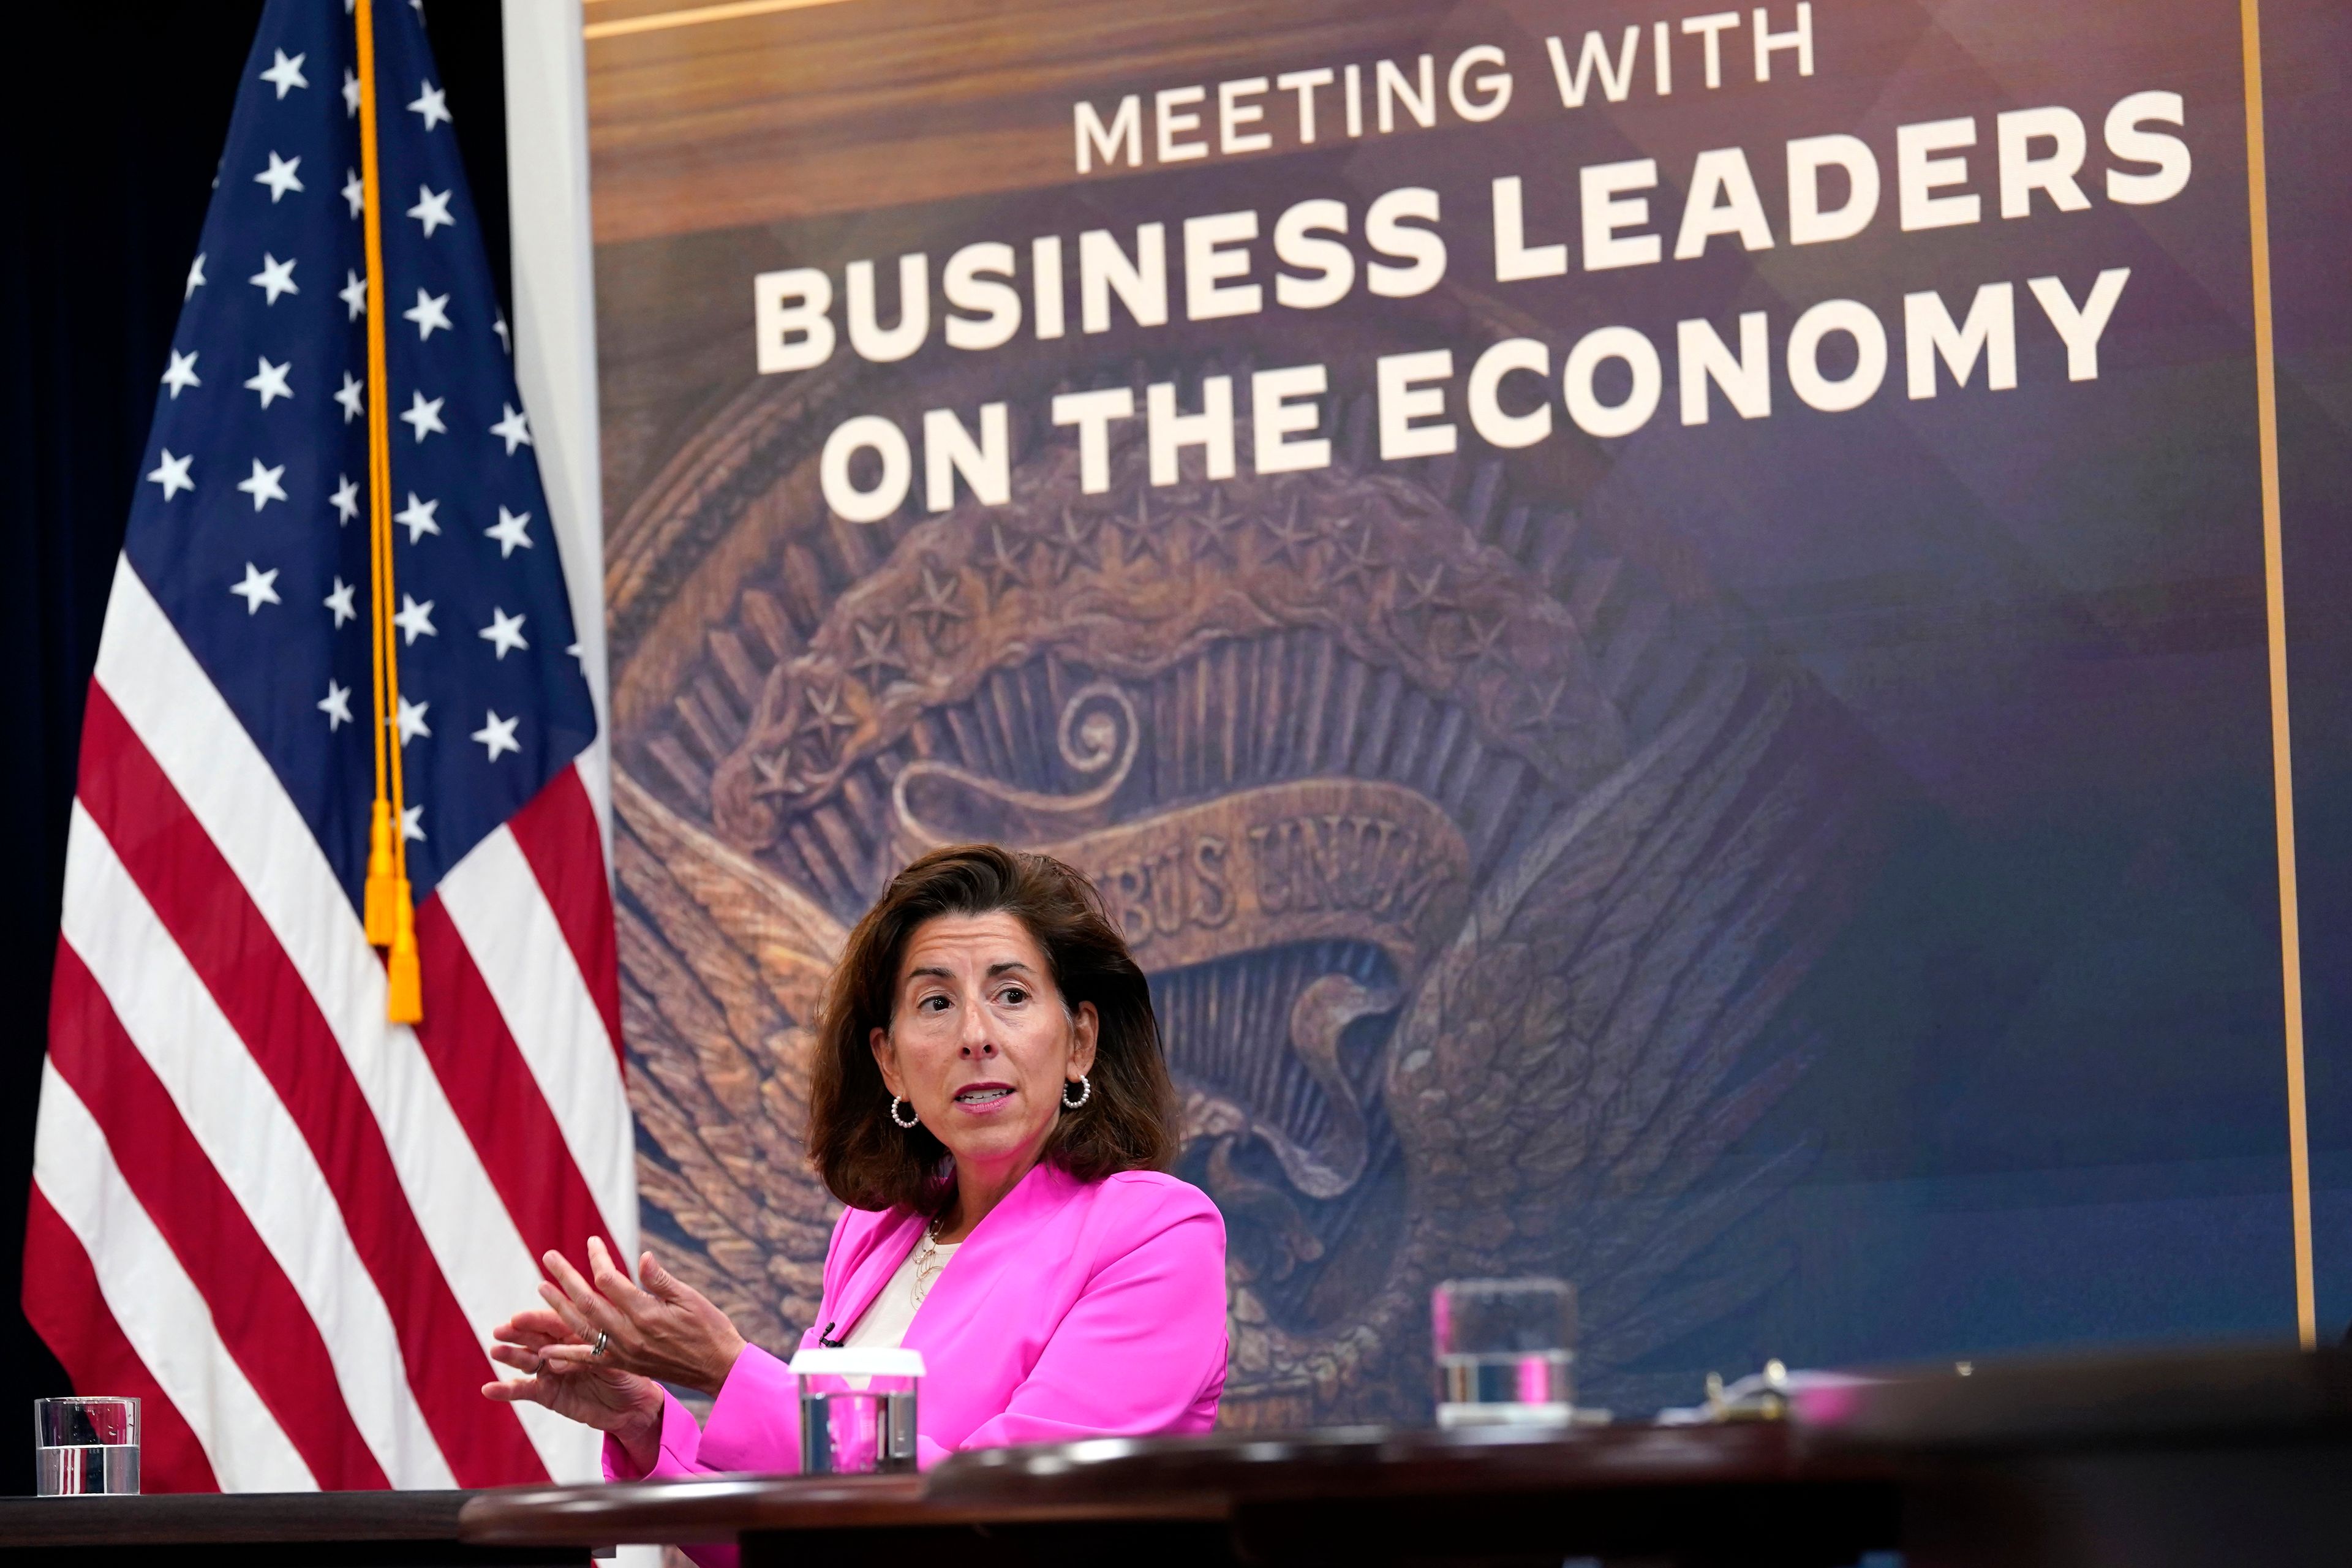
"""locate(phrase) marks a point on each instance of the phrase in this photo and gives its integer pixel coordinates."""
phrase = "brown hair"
(1128, 1124)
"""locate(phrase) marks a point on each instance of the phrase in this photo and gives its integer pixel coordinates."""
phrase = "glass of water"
(858, 1409)
(86, 1444)
(1505, 1350)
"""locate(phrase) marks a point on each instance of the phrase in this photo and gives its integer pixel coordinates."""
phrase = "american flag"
(282, 1221)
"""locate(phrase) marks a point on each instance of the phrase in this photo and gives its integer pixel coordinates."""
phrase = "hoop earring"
(1085, 1092)
(912, 1121)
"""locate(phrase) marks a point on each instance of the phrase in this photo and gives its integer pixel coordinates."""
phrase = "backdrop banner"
(1654, 624)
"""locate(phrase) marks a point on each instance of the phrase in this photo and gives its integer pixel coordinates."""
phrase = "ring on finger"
(603, 1341)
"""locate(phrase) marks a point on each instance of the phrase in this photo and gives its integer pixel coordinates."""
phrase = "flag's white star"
(180, 374)
(414, 620)
(411, 721)
(340, 601)
(269, 381)
(504, 632)
(417, 518)
(355, 192)
(424, 415)
(496, 734)
(285, 74)
(279, 176)
(431, 209)
(352, 396)
(411, 824)
(172, 474)
(510, 533)
(195, 277)
(515, 427)
(337, 707)
(506, 339)
(432, 311)
(432, 103)
(353, 294)
(262, 484)
(351, 87)
(346, 501)
(255, 590)
(275, 278)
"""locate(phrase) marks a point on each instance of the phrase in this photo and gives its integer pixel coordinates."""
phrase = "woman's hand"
(607, 1398)
(667, 1330)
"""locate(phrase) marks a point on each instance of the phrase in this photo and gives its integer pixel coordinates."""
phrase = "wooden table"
(291, 1530)
(2183, 1461)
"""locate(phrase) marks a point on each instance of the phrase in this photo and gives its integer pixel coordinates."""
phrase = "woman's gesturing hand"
(667, 1329)
(607, 1398)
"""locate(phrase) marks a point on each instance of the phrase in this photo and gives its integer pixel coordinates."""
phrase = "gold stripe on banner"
(657, 20)
(2298, 1133)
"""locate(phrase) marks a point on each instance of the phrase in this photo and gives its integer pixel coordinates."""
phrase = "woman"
(991, 1100)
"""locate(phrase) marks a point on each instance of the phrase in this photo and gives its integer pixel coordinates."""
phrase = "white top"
(886, 1321)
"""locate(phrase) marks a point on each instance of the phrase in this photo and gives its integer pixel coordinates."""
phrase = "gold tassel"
(404, 998)
(378, 906)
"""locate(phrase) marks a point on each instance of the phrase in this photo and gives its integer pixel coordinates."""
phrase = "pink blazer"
(1074, 1309)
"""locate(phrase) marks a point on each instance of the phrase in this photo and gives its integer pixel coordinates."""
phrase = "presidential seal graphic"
(1471, 876)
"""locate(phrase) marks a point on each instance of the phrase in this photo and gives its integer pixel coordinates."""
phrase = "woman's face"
(980, 1042)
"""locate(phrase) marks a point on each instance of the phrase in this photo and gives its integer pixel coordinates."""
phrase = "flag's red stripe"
(63, 1304)
(558, 835)
(215, 922)
(259, 1315)
(497, 1100)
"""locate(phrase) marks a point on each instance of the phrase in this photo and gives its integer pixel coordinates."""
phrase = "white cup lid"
(867, 1361)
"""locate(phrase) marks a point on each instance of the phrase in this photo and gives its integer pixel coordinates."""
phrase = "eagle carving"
(1473, 878)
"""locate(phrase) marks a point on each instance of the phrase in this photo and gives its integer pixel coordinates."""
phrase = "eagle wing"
(1573, 1068)
(723, 968)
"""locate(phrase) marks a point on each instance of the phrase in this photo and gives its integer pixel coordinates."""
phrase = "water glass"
(857, 1410)
(86, 1444)
(1505, 1349)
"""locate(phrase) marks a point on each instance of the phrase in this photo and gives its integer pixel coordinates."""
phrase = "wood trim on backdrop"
(691, 16)
(2298, 1129)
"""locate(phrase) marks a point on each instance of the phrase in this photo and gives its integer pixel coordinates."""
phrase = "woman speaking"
(990, 1099)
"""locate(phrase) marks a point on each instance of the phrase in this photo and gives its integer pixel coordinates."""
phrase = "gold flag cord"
(388, 908)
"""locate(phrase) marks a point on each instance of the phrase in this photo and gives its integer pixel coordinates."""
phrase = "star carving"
(775, 774)
(1415, 593)
(1005, 563)
(825, 715)
(1536, 704)
(1288, 537)
(1146, 534)
(877, 652)
(1352, 563)
(1215, 531)
(1070, 542)
(937, 608)
(1483, 642)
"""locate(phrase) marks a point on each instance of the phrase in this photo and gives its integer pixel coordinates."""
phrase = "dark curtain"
(109, 136)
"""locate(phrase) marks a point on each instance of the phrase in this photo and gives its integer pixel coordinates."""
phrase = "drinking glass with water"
(86, 1444)
(1505, 1350)
(858, 1409)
